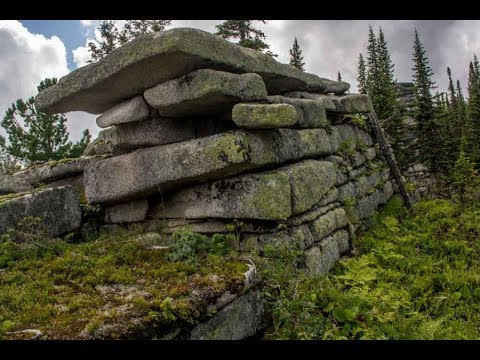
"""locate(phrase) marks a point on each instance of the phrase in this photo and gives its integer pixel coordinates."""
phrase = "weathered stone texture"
(9, 185)
(204, 91)
(343, 104)
(131, 110)
(59, 209)
(257, 196)
(155, 58)
(128, 212)
(264, 116)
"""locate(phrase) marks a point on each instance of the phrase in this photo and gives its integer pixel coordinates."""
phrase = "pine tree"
(296, 58)
(113, 37)
(473, 111)
(41, 137)
(247, 35)
(362, 75)
(464, 176)
(372, 65)
(339, 76)
(427, 128)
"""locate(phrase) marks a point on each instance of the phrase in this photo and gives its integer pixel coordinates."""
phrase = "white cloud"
(86, 23)
(26, 60)
(81, 55)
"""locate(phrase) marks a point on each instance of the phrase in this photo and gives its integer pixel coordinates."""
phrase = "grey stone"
(59, 209)
(366, 206)
(310, 180)
(363, 136)
(325, 224)
(342, 238)
(321, 259)
(343, 104)
(258, 196)
(310, 113)
(387, 192)
(152, 132)
(212, 226)
(9, 185)
(238, 320)
(55, 170)
(162, 168)
(311, 215)
(204, 91)
(370, 154)
(131, 110)
(157, 169)
(329, 198)
(102, 145)
(297, 237)
(158, 57)
(264, 116)
(124, 213)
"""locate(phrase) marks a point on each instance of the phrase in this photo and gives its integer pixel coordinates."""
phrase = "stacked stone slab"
(202, 132)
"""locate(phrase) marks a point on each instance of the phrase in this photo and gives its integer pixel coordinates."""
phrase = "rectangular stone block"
(131, 110)
(204, 91)
(310, 180)
(310, 113)
(128, 212)
(342, 104)
(264, 116)
(263, 196)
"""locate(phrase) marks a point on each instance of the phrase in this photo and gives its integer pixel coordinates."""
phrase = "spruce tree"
(362, 75)
(464, 176)
(372, 65)
(41, 137)
(427, 128)
(339, 76)
(247, 35)
(473, 112)
(296, 58)
(113, 36)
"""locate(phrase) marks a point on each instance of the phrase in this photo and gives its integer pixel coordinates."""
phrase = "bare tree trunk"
(390, 157)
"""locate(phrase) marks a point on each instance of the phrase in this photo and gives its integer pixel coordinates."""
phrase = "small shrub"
(187, 246)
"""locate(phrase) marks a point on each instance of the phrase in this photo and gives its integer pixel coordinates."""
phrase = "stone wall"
(201, 132)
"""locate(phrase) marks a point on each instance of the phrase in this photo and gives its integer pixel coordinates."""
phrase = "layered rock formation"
(204, 133)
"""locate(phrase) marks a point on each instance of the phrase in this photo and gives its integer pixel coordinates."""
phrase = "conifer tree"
(362, 75)
(113, 36)
(464, 175)
(473, 111)
(296, 58)
(372, 65)
(247, 35)
(339, 76)
(41, 137)
(427, 128)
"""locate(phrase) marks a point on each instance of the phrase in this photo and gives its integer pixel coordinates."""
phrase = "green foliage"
(187, 246)
(118, 286)
(248, 36)
(34, 136)
(347, 149)
(296, 58)
(359, 120)
(114, 36)
(414, 276)
(8, 164)
(465, 178)
(376, 78)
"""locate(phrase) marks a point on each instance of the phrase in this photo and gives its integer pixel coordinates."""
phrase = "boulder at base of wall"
(238, 320)
(205, 91)
(321, 259)
(59, 209)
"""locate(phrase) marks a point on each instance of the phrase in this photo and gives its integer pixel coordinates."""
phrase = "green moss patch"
(413, 276)
(116, 287)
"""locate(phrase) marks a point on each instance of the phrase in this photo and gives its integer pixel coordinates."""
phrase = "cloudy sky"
(35, 49)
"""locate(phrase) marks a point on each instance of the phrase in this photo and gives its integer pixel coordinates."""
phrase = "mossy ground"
(413, 276)
(116, 286)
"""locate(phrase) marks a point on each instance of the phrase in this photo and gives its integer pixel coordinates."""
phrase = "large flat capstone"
(205, 91)
(59, 209)
(155, 58)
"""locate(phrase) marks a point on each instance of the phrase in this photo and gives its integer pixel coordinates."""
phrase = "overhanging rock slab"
(155, 58)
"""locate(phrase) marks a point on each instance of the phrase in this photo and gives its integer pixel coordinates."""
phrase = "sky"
(35, 49)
